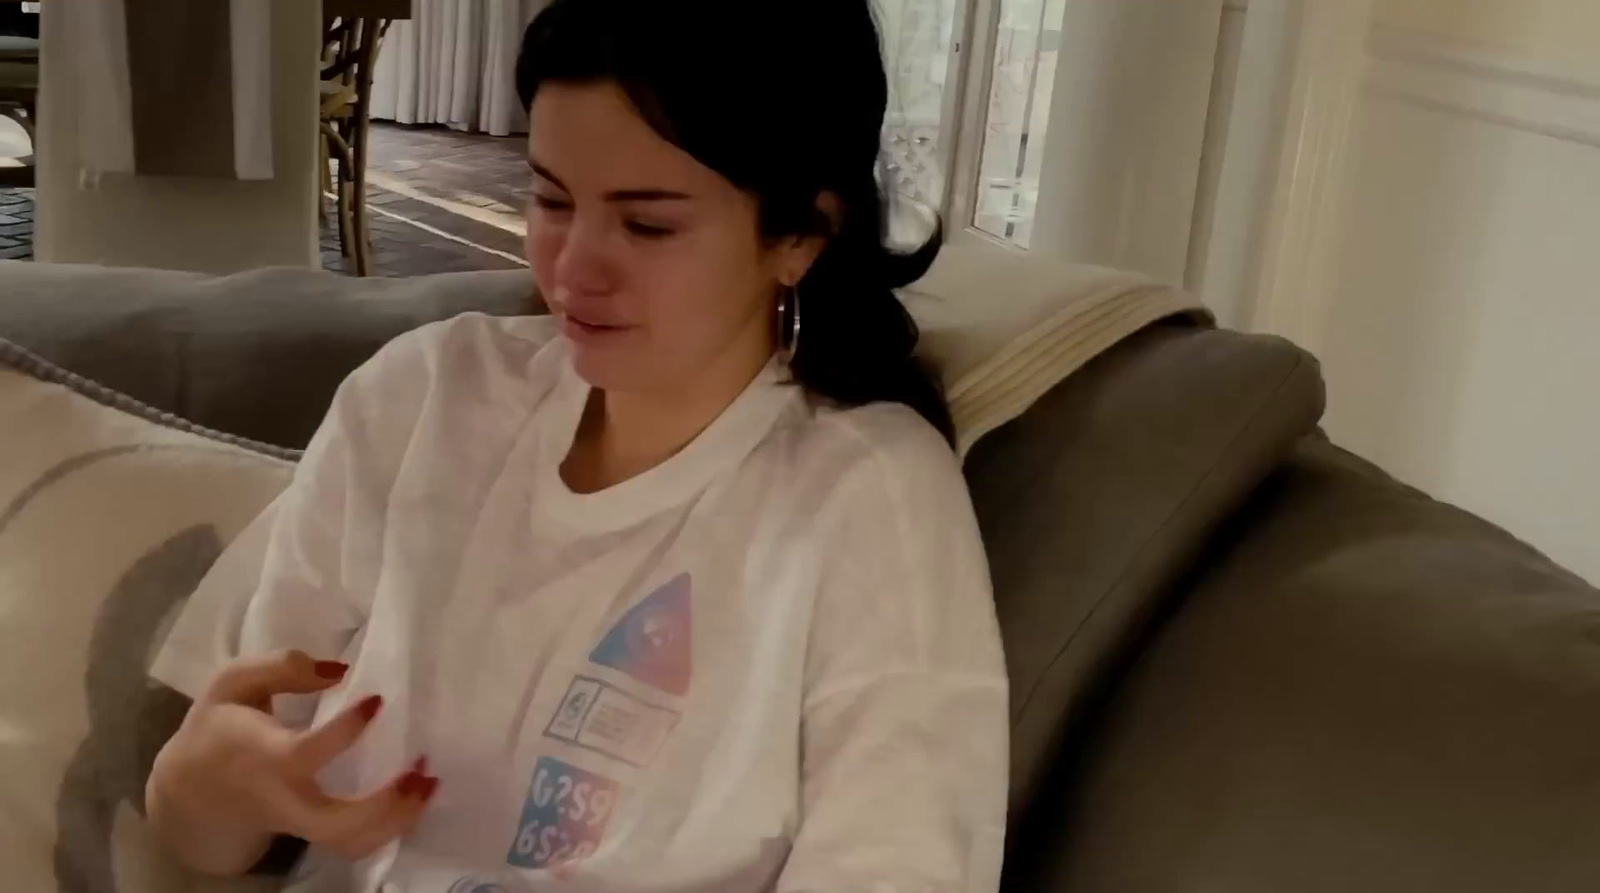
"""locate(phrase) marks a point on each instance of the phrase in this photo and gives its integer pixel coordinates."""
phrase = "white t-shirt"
(769, 663)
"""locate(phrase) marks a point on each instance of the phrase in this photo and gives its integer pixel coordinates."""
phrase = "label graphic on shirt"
(565, 816)
(607, 720)
(651, 642)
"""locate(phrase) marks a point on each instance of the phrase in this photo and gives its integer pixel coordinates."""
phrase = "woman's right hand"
(234, 777)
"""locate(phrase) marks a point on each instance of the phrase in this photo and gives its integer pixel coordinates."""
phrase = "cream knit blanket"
(1004, 327)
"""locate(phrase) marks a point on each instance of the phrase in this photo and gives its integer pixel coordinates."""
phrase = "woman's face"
(654, 262)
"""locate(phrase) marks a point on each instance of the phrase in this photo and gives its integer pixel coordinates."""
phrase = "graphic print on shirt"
(565, 816)
(651, 643)
(568, 808)
(598, 716)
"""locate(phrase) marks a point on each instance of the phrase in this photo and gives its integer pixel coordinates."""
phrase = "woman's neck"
(625, 434)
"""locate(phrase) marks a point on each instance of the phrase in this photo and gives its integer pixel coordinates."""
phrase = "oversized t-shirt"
(769, 663)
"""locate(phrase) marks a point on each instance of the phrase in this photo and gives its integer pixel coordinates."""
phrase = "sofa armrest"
(1097, 501)
(1365, 690)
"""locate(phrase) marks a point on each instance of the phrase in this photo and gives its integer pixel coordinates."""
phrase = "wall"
(1460, 324)
(1119, 174)
(1564, 32)
(194, 224)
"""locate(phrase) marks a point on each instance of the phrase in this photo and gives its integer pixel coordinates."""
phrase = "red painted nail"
(369, 707)
(331, 669)
(429, 787)
(420, 766)
(410, 784)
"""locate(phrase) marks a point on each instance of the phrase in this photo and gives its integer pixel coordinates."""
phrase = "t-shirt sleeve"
(904, 729)
(302, 575)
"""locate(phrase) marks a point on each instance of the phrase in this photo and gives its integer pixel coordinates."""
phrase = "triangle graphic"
(651, 643)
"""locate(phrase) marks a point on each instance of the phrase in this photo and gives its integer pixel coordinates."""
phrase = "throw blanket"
(1004, 327)
(169, 87)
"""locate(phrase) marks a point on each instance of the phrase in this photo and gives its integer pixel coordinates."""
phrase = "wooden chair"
(19, 91)
(350, 50)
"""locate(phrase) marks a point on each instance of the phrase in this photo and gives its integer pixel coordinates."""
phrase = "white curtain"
(454, 63)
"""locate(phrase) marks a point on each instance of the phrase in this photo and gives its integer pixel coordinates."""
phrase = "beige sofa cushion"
(109, 516)
(1369, 691)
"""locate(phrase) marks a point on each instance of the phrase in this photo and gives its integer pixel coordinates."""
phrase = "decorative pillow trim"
(28, 363)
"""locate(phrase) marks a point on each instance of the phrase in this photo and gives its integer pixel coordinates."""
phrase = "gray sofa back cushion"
(256, 354)
(1366, 690)
(1098, 500)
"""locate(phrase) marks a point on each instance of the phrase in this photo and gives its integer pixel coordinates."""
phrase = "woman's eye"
(647, 231)
(545, 203)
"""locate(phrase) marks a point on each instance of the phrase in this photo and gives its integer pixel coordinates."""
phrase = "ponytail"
(857, 341)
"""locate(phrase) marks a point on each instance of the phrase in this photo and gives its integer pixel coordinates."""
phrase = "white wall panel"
(1461, 329)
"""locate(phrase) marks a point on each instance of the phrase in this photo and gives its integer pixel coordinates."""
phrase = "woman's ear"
(831, 210)
(800, 252)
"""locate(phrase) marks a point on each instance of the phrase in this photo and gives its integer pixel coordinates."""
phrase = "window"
(918, 37)
(929, 63)
(1022, 74)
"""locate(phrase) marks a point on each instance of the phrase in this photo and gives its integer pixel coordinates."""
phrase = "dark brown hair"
(785, 100)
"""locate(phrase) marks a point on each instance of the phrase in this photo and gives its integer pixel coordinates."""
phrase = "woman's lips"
(578, 328)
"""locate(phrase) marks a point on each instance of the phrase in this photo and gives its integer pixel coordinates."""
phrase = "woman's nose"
(584, 265)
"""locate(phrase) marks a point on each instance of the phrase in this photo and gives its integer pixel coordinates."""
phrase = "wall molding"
(1497, 88)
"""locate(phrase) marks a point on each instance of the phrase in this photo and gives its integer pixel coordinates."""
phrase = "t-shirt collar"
(727, 441)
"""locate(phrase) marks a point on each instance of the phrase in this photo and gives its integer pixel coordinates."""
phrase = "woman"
(676, 589)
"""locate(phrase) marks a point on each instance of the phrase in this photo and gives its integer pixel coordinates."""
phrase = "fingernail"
(331, 669)
(410, 784)
(420, 767)
(427, 788)
(369, 707)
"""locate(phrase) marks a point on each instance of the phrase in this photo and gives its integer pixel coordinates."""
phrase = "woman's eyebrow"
(647, 195)
(617, 195)
(543, 173)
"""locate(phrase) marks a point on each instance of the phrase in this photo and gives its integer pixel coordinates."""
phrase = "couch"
(1242, 659)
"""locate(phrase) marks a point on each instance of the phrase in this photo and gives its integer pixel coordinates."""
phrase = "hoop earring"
(789, 323)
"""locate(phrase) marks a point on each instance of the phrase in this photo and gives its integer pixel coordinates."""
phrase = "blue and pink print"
(565, 816)
(651, 643)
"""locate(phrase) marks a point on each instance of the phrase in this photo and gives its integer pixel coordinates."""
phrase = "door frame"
(1303, 223)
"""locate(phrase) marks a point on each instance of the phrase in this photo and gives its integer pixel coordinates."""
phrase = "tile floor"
(16, 224)
(458, 170)
(439, 202)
